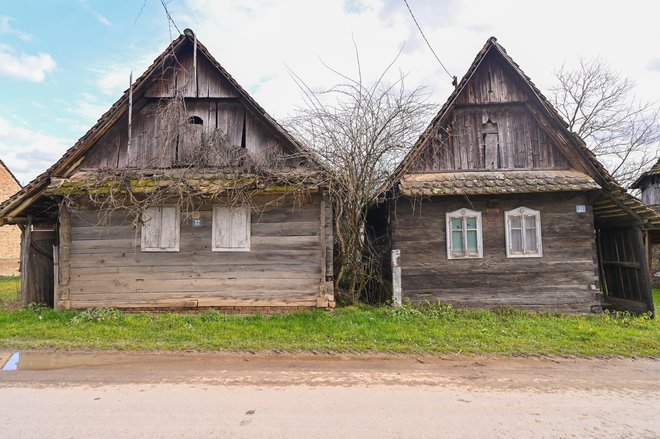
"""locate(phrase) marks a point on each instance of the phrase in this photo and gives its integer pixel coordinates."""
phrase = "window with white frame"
(160, 229)
(523, 233)
(231, 229)
(464, 234)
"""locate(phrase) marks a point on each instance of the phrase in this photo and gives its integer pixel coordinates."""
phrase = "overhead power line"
(427, 41)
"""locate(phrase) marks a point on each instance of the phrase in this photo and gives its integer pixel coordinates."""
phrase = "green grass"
(432, 329)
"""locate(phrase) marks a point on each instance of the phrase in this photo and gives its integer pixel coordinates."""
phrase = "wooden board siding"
(282, 268)
(492, 95)
(521, 143)
(563, 279)
(214, 100)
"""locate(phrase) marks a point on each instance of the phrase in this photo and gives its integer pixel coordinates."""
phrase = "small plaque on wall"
(197, 222)
(580, 208)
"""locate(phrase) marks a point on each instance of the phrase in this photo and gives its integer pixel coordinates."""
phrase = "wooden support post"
(64, 259)
(26, 243)
(322, 238)
(645, 275)
(396, 277)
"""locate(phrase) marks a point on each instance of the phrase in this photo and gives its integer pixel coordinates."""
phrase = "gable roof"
(74, 155)
(572, 145)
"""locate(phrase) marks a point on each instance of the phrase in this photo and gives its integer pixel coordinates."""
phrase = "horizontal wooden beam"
(623, 264)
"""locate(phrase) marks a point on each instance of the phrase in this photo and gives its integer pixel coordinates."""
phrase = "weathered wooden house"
(649, 185)
(185, 194)
(10, 236)
(498, 204)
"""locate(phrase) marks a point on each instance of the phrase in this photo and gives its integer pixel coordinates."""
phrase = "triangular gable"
(501, 83)
(73, 157)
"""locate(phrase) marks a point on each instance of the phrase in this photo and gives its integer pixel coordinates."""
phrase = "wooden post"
(64, 259)
(396, 277)
(322, 237)
(56, 275)
(645, 275)
(25, 262)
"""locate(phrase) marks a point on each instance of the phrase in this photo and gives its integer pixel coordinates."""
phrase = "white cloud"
(87, 108)
(99, 17)
(7, 29)
(25, 67)
(27, 152)
(254, 39)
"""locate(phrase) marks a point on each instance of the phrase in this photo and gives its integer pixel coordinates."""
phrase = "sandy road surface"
(306, 396)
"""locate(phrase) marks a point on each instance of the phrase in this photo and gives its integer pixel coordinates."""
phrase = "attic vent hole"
(195, 120)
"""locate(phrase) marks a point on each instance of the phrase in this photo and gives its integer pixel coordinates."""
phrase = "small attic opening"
(195, 120)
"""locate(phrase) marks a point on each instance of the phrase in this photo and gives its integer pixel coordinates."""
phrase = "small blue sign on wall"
(197, 222)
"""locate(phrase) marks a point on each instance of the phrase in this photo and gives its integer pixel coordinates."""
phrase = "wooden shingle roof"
(495, 182)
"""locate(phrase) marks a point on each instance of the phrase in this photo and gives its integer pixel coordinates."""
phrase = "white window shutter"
(151, 228)
(231, 228)
(160, 229)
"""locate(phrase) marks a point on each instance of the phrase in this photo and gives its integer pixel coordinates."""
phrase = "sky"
(63, 63)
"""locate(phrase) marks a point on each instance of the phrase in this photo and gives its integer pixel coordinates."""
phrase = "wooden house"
(186, 194)
(10, 236)
(498, 204)
(649, 185)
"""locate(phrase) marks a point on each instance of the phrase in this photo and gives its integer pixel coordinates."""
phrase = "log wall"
(290, 254)
(564, 279)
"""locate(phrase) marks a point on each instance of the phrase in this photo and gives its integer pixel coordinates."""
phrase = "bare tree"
(599, 105)
(360, 130)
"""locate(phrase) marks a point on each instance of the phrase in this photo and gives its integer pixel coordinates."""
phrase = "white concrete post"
(396, 277)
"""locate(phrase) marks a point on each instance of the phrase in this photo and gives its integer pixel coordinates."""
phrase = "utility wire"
(427, 41)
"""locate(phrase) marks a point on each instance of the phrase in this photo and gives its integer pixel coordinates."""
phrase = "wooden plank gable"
(490, 126)
(213, 109)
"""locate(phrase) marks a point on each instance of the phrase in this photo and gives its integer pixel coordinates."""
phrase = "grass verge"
(434, 329)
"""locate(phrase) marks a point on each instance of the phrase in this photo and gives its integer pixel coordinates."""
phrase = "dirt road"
(244, 395)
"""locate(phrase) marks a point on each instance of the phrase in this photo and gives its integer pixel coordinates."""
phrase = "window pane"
(471, 222)
(456, 223)
(516, 240)
(515, 221)
(530, 241)
(530, 222)
(457, 243)
(472, 241)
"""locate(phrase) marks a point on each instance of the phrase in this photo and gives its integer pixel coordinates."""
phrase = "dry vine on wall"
(204, 167)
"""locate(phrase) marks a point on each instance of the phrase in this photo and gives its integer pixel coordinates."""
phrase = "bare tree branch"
(600, 106)
(360, 130)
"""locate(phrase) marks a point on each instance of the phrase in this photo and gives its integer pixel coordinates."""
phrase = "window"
(464, 234)
(160, 229)
(195, 120)
(523, 233)
(231, 229)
